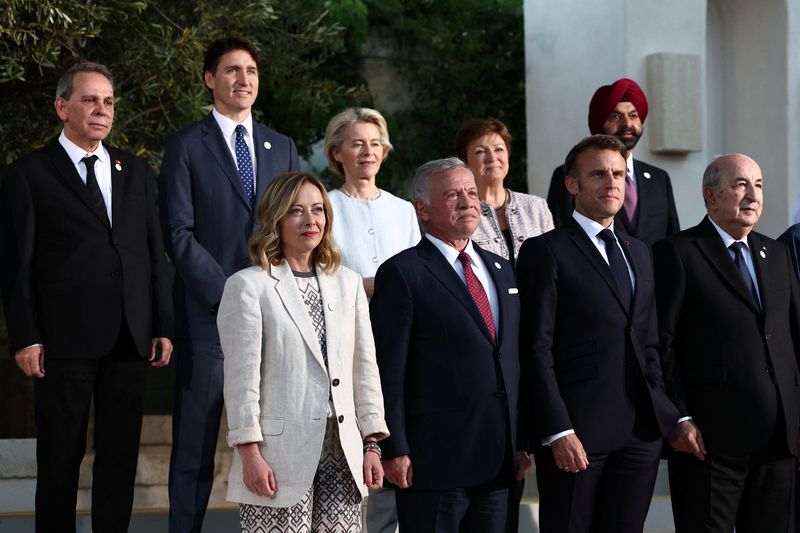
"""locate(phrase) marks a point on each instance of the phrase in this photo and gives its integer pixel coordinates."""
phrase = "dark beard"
(629, 142)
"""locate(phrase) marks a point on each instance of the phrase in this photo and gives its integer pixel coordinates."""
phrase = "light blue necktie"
(245, 165)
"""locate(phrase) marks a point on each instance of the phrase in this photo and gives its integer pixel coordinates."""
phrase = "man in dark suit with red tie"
(445, 317)
(589, 346)
(87, 302)
(729, 319)
(648, 211)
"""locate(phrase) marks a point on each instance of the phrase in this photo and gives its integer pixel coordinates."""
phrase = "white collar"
(727, 240)
(76, 153)
(589, 226)
(228, 126)
(450, 253)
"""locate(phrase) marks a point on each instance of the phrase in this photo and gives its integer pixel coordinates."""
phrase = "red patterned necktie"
(478, 294)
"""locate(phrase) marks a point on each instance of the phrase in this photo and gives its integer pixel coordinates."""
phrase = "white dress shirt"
(478, 267)
(102, 167)
(228, 128)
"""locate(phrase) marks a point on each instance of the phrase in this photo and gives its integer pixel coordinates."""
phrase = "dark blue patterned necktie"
(245, 165)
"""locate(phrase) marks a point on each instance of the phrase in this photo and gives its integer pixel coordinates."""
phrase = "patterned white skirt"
(331, 505)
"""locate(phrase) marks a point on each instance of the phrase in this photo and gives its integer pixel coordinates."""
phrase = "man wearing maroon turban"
(649, 212)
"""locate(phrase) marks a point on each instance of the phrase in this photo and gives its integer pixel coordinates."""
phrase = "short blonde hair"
(265, 245)
(337, 129)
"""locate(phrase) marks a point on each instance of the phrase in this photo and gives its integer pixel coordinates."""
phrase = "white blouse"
(368, 232)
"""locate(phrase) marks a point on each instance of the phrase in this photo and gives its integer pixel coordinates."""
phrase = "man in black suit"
(445, 316)
(729, 320)
(87, 301)
(211, 178)
(649, 212)
(590, 351)
(791, 238)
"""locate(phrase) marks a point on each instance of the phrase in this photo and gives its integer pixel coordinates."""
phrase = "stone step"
(18, 486)
(224, 520)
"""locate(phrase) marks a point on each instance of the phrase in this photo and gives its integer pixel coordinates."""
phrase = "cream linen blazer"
(276, 386)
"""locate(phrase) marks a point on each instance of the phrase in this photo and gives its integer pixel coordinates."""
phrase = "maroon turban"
(607, 97)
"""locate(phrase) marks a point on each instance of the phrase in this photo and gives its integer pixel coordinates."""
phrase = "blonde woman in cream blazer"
(301, 387)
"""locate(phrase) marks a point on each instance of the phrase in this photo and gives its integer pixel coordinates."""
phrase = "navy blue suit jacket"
(658, 216)
(791, 238)
(585, 354)
(207, 218)
(450, 391)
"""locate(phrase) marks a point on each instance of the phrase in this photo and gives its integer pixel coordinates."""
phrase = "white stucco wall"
(750, 82)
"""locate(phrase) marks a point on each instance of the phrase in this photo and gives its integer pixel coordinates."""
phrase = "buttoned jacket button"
(341, 418)
(335, 382)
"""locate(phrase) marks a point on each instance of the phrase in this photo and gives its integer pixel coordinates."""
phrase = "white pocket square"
(513, 290)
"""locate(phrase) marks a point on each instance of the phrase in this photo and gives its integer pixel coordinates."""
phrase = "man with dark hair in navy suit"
(590, 343)
(212, 175)
(445, 317)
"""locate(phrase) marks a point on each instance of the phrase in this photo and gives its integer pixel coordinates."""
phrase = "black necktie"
(618, 267)
(94, 189)
(738, 259)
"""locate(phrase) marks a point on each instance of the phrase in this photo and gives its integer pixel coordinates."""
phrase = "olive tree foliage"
(460, 59)
(155, 52)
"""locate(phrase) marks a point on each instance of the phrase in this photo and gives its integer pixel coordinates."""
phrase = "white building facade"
(721, 76)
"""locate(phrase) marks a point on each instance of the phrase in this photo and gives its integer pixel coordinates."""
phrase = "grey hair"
(64, 86)
(421, 184)
(337, 129)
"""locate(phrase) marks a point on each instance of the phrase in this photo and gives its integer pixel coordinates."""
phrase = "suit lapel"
(264, 163)
(68, 174)
(119, 173)
(589, 250)
(763, 267)
(644, 195)
(711, 245)
(494, 268)
(218, 148)
(289, 294)
(636, 262)
(436, 263)
(331, 308)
